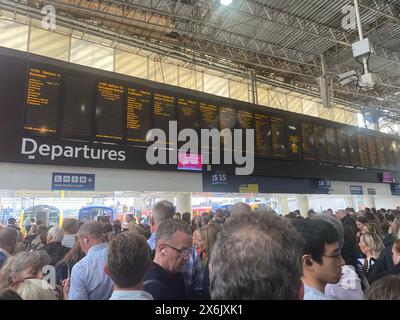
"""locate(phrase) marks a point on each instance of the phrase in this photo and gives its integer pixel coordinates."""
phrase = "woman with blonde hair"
(34, 289)
(22, 266)
(204, 239)
(387, 264)
(371, 245)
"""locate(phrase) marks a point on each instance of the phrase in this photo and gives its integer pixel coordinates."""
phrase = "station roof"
(282, 41)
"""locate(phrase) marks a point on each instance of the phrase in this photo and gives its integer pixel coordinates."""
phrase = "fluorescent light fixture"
(225, 2)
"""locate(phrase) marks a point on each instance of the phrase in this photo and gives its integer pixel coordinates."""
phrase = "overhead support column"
(283, 204)
(369, 201)
(184, 203)
(350, 202)
(253, 87)
(302, 203)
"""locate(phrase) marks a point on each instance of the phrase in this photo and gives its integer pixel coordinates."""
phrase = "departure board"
(372, 151)
(363, 150)
(164, 111)
(390, 159)
(188, 114)
(110, 111)
(278, 138)
(209, 118)
(331, 145)
(320, 143)
(380, 148)
(138, 114)
(396, 153)
(245, 120)
(307, 135)
(293, 140)
(78, 109)
(227, 118)
(263, 135)
(353, 148)
(343, 146)
(42, 99)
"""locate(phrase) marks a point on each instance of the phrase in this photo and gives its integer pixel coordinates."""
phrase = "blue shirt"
(131, 295)
(88, 279)
(193, 275)
(313, 294)
(152, 241)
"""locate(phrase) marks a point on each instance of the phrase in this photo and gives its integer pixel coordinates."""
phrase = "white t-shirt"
(348, 288)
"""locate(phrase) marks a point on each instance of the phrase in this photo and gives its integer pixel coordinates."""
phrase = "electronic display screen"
(78, 109)
(110, 111)
(332, 145)
(164, 112)
(42, 100)
(263, 135)
(138, 114)
(278, 138)
(320, 143)
(343, 146)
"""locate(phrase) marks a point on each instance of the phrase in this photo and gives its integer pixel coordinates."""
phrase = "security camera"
(347, 74)
(367, 80)
(347, 77)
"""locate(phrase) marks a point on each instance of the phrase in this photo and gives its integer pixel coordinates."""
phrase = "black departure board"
(78, 105)
(110, 111)
(331, 145)
(263, 135)
(188, 114)
(320, 143)
(78, 109)
(278, 138)
(390, 158)
(293, 140)
(353, 148)
(307, 135)
(209, 118)
(164, 112)
(245, 120)
(138, 114)
(395, 147)
(42, 99)
(343, 146)
(380, 148)
(227, 118)
(363, 150)
(372, 151)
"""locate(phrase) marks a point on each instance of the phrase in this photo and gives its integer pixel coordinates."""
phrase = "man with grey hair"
(161, 211)
(8, 243)
(88, 279)
(165, 281)
(257, 257)
(54, 247)
(240, 208)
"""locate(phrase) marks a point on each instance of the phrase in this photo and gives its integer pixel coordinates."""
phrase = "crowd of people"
(241, 254)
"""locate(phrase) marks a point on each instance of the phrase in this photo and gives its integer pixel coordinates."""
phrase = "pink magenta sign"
(192, 161)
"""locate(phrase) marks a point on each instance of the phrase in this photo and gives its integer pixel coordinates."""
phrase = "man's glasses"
(337, 256)
(184, 251)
